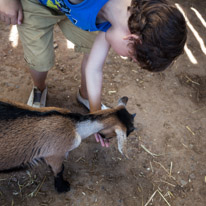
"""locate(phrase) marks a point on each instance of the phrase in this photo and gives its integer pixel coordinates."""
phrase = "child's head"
(162, 32)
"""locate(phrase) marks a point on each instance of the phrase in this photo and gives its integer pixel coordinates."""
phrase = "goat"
(28, 135)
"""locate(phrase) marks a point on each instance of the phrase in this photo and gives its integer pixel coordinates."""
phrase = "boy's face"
(120, 42)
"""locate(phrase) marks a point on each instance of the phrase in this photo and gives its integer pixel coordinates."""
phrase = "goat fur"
(28, 135)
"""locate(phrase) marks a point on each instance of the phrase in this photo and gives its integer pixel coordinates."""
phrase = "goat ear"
(121, 139)
(123, 101)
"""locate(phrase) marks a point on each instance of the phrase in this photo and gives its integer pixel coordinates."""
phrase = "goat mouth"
(108, 138)
(103, 137)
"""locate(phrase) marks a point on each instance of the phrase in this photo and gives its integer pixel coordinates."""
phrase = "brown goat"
(28, 135)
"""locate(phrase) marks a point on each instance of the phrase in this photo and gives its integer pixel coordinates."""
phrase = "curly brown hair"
(162, 32)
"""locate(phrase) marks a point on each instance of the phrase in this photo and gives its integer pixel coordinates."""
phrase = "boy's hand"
(11, 11)
(103, 142)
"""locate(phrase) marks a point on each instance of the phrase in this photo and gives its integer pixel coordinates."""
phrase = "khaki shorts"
(36, 34)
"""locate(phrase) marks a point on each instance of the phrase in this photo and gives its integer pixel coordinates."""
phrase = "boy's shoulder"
(82, 14)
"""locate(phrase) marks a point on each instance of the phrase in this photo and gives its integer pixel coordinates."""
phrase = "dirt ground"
(167, 155)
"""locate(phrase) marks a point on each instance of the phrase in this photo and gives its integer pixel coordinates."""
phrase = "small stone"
(14, 179)
(55, 45)
(15, 193)
(183, 182)
(192, 176)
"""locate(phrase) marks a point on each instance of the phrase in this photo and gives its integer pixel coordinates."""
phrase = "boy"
(151, 32)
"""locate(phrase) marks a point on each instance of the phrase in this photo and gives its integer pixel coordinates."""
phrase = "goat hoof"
(62, 186)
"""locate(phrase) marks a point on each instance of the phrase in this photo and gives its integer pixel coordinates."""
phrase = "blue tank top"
(83, 15)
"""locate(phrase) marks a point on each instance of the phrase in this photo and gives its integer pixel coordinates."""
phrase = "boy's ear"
(132, 37)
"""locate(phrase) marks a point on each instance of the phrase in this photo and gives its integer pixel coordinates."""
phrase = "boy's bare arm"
(11, 11)
(93, 71)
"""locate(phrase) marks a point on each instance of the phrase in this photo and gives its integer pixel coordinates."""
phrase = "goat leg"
(60, 184)
(58, 168)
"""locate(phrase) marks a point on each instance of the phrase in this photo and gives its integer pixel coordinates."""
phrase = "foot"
(37, 98)
(61, 185)
(85, 102)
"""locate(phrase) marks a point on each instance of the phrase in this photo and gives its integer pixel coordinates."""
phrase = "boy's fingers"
(2, 17)
(99, 139)
(102, 142)
(14, 20)
(106, 143)
(20, 17)
(7, 20)
(96, 137)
